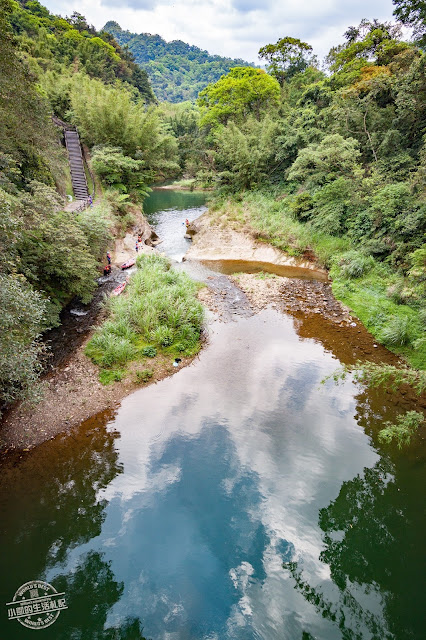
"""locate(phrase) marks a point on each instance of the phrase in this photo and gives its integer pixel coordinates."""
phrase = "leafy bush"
(149, 352)
(144, 375)
(354, 264)
(301, 205)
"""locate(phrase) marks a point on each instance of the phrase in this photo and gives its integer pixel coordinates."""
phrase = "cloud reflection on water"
(246, 439)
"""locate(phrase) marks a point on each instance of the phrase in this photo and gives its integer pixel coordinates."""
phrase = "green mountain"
(178, 71)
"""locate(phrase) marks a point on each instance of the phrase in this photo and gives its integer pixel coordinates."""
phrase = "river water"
(240, 499)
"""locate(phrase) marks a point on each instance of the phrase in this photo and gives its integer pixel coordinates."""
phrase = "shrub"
(397, 332)
(301, 205)
(354, 264)
(149, 352)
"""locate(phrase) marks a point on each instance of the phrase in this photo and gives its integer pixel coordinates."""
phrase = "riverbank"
(71, 388)
(387, 304)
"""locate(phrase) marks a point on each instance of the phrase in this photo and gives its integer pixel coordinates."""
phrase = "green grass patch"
(143, 376)
(107, 376)
(398, 326)
(158, 313)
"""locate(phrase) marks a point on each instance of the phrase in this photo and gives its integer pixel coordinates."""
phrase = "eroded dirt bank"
(213, 241)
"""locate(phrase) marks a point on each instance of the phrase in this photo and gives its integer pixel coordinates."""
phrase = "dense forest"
(178, 71)
(330, 163)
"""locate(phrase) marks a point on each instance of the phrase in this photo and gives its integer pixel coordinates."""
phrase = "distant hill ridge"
(178, 71)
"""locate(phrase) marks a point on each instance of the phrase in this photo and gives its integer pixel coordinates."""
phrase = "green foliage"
(397, 332)
(55, 254)
(288, 57)
(178, 71)
(377, 40)
(158, 308)
(244, 156)
(412, 13)
(243, 92)
(382, 375)
(403, 431)
(117, 170)
(334, 157)
(144, 375)
(27, 137)
(53, 42)
(354, 264)
(22, 313)
(149, 352)
(107, 376)
(110, 116)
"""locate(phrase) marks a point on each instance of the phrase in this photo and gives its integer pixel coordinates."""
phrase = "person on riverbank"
(137, 247)
(107, 270)
(108, 257)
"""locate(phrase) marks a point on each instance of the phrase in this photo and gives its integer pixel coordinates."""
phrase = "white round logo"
(36, 605)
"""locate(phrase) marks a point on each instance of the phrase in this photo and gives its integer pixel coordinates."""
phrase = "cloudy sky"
(235, 28)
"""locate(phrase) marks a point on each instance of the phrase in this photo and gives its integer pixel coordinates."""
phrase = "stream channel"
(239, 499)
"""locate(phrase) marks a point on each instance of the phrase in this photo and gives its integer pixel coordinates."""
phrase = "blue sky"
(235, 28)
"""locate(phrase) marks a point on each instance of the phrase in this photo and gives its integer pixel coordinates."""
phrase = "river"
(240, 499)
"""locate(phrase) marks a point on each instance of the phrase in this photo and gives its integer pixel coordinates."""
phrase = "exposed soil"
(73, 394)
(212, 241)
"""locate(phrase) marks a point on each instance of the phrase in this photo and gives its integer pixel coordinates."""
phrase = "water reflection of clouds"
(248, 429)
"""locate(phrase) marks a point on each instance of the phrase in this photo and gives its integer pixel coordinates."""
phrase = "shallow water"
(239, 499)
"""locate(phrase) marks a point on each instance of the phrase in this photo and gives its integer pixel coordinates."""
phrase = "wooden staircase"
(78, 175)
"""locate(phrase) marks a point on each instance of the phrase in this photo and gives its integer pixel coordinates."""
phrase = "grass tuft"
(158, 312)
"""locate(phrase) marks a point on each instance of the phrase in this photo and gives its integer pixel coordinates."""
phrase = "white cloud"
(235, 28)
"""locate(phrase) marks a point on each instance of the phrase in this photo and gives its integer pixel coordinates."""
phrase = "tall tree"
(286, 57)
(242, 92)
(413, 14)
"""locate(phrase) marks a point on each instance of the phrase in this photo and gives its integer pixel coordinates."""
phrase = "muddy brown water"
(240, 499)
(230, 267)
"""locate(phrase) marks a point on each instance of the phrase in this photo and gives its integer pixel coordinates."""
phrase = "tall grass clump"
(158, 312)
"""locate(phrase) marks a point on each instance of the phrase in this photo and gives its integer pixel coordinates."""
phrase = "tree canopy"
(412, 13)
(242, 92)
(286, 58)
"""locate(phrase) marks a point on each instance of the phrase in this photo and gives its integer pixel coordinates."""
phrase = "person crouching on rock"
(107, 270)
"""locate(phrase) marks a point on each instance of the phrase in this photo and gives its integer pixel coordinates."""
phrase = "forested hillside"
(178, 71)
(49, 255)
